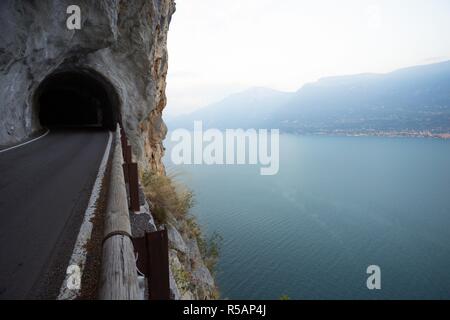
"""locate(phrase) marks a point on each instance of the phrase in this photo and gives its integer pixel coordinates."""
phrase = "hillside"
(411, 99)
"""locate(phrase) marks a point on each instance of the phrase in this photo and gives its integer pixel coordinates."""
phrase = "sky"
(219, 47)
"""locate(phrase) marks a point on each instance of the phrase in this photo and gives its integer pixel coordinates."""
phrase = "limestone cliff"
(122, 41)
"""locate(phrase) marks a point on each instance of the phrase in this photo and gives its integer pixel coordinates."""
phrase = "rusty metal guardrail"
(153, 261)
(130, 171)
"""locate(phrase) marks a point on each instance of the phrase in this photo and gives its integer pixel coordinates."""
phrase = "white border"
(27, 142)
(79, 251)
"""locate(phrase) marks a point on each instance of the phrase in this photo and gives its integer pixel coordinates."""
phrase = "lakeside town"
(377, 133)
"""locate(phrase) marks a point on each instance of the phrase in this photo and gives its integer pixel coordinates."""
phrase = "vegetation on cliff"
(193, 255)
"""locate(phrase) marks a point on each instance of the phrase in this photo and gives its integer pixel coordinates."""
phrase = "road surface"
(44, 191)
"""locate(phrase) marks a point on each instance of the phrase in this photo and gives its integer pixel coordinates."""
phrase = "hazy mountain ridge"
(411, 99)
(250, 108)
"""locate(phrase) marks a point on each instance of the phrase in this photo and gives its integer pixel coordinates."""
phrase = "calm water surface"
(337, 205)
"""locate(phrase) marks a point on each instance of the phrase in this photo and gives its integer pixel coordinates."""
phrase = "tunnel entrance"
(76, 99)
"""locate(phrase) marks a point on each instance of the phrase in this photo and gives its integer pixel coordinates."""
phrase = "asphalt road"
(44, 191)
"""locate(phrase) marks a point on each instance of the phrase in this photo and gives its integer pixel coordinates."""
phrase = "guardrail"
(119, 273)
(119, 279)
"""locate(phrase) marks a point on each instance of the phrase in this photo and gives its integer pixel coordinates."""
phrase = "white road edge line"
(27, 142)
(78, 258)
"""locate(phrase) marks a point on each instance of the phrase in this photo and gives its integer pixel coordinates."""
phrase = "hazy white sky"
(218, 47)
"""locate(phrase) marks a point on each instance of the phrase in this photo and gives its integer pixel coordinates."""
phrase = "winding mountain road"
(45, 187)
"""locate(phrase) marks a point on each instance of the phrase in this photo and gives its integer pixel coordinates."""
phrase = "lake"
(337, 205)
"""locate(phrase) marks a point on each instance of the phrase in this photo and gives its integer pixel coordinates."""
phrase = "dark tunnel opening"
(76, 99)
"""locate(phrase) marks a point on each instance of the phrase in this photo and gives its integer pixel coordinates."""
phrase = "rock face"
(123, 43)
(191, 276)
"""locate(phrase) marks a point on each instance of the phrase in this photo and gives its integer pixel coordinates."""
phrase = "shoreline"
(442, 136)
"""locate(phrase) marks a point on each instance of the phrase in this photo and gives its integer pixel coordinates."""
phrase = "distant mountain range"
(410, 100)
